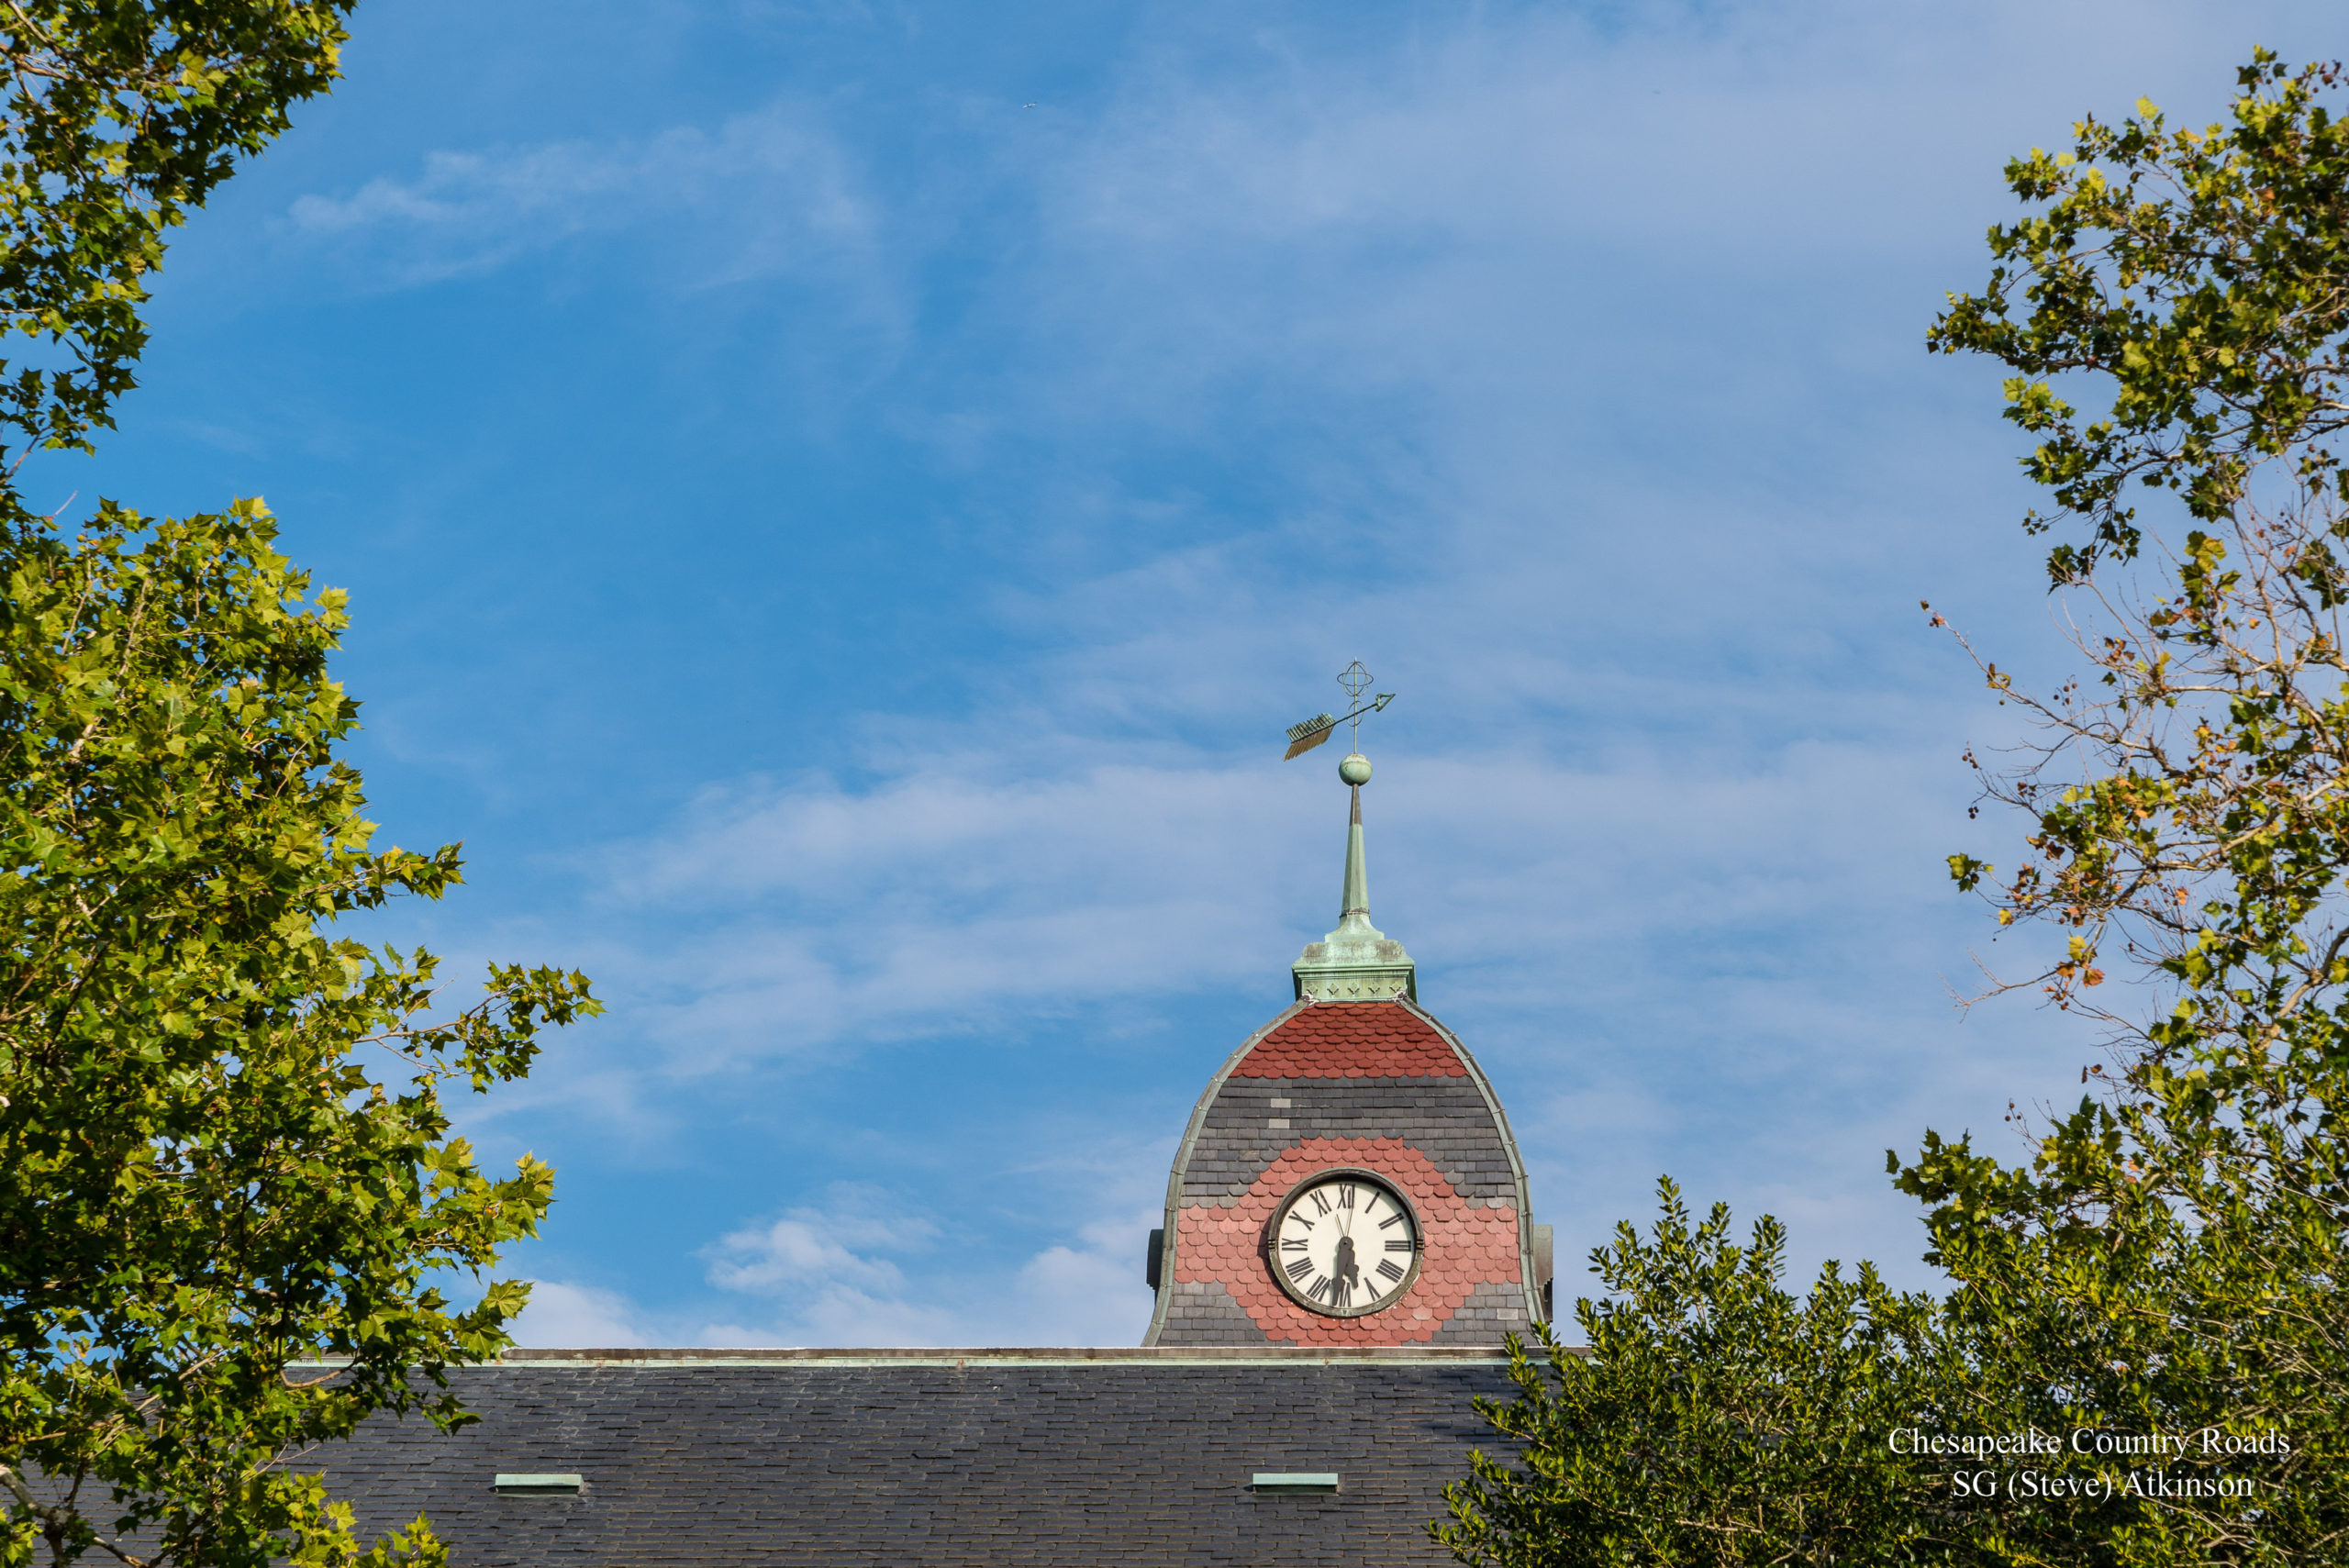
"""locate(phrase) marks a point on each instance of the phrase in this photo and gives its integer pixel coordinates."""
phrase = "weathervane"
(1303, 737)
(1356, 963)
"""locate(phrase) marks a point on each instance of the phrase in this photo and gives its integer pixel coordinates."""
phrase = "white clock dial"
(1344, 1243)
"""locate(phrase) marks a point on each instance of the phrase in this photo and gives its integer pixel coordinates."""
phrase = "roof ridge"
(1078, 1355)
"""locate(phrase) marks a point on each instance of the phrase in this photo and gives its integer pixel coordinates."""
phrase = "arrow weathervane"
(1304, 736)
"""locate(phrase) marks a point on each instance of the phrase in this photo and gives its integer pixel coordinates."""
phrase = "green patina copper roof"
(1356, 962)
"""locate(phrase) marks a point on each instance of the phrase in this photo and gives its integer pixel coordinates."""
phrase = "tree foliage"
(2172, 1254)
(200, 1179)
(2168, 1258)
(1712, 1419)
(2194, 278)
(224, 1150)
(120, 117)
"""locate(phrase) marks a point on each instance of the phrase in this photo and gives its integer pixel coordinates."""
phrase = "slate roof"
(933, 1459)
(1352, 1039)
(1369, 1085)
(1446, 1120)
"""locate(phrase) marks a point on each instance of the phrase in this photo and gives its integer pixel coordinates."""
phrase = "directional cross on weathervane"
(1304, 736)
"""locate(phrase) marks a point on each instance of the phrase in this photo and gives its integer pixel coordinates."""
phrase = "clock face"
(1344, 1243)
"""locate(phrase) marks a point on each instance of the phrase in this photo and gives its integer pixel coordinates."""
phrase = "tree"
(121, 116)
(201, 1180)
(2170, 1258)
(1713, 1419)
(207, 1174)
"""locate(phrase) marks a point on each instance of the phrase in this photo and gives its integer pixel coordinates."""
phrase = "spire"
(1354, 902)
(1356, 962)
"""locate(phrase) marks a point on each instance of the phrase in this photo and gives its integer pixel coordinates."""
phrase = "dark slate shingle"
(996, 1462)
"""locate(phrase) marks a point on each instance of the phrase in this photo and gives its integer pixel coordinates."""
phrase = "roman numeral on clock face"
(1344, 1268)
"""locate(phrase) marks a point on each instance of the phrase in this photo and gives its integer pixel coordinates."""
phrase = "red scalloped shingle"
(1354, 1040)
(1465, 1247)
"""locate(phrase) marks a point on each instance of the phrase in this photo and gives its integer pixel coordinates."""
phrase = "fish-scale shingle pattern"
(1463, 1248)
(1368, 1084)
(928, 1466)
(1354, 1040)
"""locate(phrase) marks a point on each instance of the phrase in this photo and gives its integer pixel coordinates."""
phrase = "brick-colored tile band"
(1466, 1247)
(1352, 1039)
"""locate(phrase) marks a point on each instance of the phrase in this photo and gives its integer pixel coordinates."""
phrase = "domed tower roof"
(1349, 1177)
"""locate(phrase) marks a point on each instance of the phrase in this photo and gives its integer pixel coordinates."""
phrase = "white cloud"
(578, 1317)
(834, 1274)
(1089, 1294)
(1569, 353)
(1708, 959)
(810, 1249)
(1535, 217)
(778, 918)
(869, 1267)
(761, 193)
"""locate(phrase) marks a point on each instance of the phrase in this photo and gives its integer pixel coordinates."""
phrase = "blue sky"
(840, 500)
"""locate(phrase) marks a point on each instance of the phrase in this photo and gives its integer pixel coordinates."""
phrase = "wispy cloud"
(869, 1263)
(761, 193)
(578, 1317)
(868, 1266)
(833, 1271)
(843, 1246)
(1567, 373)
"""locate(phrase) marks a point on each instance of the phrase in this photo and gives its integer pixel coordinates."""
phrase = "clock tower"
(1347, 1178)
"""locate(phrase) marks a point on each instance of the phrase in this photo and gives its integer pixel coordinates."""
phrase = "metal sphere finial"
(1355, 769)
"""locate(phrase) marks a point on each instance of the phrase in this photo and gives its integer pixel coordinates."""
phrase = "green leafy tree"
(1713, 1417)
(120, 117)
(2170, 1257)
(223, 1146)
